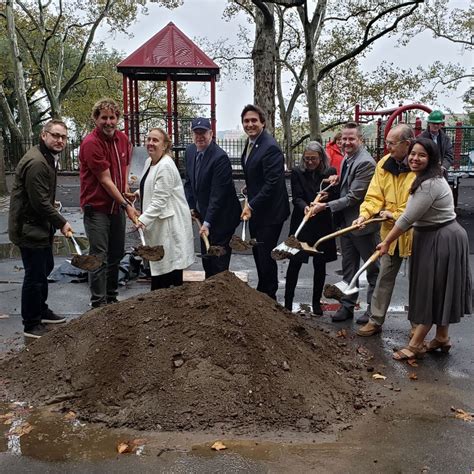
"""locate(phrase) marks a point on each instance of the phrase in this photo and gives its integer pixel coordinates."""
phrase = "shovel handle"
(70, 235)
(140, 230)
(203, 237)
(346, 230)
(369, 261)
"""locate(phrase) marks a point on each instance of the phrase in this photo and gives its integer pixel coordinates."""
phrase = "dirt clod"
(210, 354)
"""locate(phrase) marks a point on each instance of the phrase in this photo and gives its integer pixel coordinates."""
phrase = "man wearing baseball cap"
(210, 193)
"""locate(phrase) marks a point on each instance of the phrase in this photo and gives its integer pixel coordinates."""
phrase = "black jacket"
(33, 217)
(213, 192)
(304, 187)
(264, 173)
(445, 147)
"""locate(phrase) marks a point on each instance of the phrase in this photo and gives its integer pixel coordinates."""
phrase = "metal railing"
(461, 136)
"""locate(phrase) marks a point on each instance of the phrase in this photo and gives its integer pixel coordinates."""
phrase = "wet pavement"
(410, 428)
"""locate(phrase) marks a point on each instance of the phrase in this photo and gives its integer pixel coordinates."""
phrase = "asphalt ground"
(414, 431)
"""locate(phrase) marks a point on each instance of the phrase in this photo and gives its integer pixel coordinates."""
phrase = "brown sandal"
(436, 344)
(403, 354)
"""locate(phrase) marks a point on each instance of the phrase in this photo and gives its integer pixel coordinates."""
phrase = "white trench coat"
(167, 216)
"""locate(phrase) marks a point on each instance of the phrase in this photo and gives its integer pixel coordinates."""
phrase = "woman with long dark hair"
(305, 184)
(440, 278)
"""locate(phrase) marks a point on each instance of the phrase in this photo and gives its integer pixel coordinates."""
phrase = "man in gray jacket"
(356, 172)
(33, 220)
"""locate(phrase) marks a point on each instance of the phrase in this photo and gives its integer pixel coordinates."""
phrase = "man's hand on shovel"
(66, 229)
(246, 213)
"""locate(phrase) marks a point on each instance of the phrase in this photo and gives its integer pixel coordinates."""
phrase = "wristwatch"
(125, 204)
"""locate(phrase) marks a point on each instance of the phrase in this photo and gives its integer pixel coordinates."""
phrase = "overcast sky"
(203, 18)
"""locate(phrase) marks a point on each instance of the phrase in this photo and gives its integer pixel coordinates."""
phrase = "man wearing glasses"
(33, 220)
(388, 194)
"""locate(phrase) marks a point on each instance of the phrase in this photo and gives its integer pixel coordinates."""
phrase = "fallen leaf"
(70, 416)
(462, 415)
(342, 333)
(378, 376)
(20, 430)
(413, 376)
(412, 362)
(123, 448)
(6, 416)
(218, 446)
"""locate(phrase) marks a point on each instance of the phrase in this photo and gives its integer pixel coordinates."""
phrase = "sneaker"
(36, 331)
(369, 330)
(51, 318)
(342, 314)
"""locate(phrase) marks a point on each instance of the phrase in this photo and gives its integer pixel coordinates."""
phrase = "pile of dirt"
(210, 354)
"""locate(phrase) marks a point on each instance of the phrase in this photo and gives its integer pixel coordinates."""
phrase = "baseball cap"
(201, 123)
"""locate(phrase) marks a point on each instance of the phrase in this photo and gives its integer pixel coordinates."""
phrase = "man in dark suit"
(210, 193)
(357, 170)
(267, 204)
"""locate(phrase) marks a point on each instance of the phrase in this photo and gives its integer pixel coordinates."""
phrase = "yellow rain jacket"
(389, 191)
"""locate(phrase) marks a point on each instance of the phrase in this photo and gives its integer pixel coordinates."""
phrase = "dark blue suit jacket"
(213, 192)
(265, 181)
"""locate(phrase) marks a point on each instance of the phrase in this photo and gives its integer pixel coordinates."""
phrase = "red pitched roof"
(169, 49)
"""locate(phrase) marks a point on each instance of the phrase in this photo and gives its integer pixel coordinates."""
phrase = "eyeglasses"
(389, 143)
(311, 158)
(57, 136)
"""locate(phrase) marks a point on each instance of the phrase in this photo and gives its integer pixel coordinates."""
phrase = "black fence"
(461, 136)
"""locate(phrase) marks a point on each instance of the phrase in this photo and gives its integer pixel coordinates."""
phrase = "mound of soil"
(208, 354)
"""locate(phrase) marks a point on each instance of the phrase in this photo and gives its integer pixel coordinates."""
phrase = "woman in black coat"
(305, 185)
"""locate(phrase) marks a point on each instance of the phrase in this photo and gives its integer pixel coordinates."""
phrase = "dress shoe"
(369, 330)
(317, 310)
(342, 314)
(364, 318)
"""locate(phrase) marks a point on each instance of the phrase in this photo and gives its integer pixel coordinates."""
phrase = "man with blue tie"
(210, 193)
(267, 206)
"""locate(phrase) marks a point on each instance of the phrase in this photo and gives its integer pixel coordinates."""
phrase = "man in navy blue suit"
(210, 193)
(267, 206)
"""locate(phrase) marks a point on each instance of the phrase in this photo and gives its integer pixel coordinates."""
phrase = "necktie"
(249, 149)
(197, 165)
(343, 170)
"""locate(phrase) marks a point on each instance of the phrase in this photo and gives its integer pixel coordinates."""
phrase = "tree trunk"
(3, 178)
(263, 57)
(20, 88)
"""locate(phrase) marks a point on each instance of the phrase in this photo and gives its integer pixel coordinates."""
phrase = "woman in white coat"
(166, 218)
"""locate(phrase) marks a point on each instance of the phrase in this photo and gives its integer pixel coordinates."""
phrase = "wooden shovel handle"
(203, 237)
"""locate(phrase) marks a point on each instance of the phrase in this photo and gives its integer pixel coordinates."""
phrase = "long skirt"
(440, 277)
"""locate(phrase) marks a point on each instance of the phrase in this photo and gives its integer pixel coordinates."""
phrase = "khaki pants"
(389, 267)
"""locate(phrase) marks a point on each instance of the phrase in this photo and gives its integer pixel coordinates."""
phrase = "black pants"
(38, 264)
(319, 277)
(214, 265)
(174, 278)
(267, 269)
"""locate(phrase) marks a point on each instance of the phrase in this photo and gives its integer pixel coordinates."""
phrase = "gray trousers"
(353, 249)
(106, 234)
(389, 267)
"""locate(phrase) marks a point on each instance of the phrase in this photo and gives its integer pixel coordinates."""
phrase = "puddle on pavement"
(50, 436)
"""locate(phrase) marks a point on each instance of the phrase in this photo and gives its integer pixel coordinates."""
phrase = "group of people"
(406, 187)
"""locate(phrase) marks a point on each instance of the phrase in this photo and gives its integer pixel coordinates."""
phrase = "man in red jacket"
(104, 162)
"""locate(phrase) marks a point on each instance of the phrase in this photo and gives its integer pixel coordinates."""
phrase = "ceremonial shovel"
(291, 246)
(88, 263)
(341, 288)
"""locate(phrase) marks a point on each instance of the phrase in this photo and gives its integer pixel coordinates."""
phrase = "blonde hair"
(166, 137)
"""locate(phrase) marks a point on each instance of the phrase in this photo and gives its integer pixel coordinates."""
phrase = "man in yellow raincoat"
(388, 194)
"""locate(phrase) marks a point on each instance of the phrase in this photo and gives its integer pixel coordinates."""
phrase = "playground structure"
(462, 137)
(168, 56)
